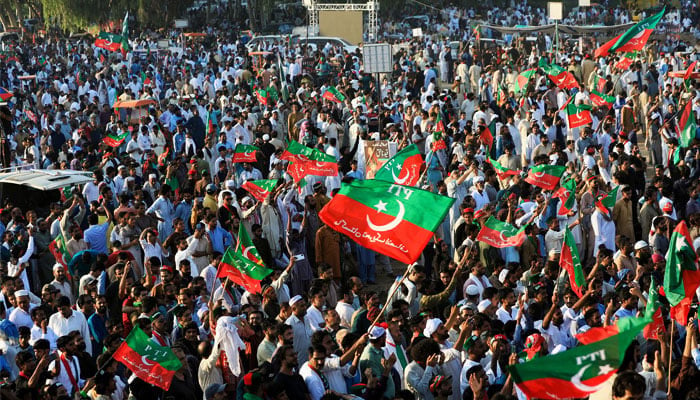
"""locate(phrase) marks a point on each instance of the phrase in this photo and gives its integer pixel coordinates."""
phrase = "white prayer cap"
(19, 293)
(295, 300)
(483, 305)
(431, 326)
(376, 332)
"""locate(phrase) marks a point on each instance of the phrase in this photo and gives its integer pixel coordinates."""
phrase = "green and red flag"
(580, 371)
(501, 96)
(261, 188)
(566, 195)
(163, 158)
(682, 276)
(599, 84)
(385, 217)
(59, 250)
(245, 153)
(578, 115)
(600, 99)
(244, 265)
(334, 95)
(571, 262)
(112, 140)
(561, 77)
(653, 313)
(500, 234)
(149, 361)
(439, 135)
(604, 49)
(109, 41)
(403, 168)
(309, 161)
(486, 135)
(636, 37)
(523, 79)
(605, 201)
(262, 96)
(545, 176)
(502, 171)
(477, 33)
(626, 60)
(687, 125)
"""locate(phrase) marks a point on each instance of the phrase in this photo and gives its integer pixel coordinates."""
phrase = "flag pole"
(405, 275)
(670, 356)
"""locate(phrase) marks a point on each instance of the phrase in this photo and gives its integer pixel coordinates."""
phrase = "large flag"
(243, 265)
(310, 161)
(112, 140)
(334, 95)
(245, 153)
(636, 37)
(681, 277)
(545, 176)
(566, 195)
(394, 220)
(403, 168)
(109, 41)
(149, 361)
(604, 202)
(522, 80)
(688, 125)
(571, 262)
(500, 234)
(261, 188)
(653, 313)
(578, 115)
(604, 49)
(502, 171)
(580, 371)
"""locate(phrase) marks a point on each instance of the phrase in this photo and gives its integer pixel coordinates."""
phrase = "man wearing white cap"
(451, 356)
(373, 355)
(20, 315)
(301, 327)
(61, 283)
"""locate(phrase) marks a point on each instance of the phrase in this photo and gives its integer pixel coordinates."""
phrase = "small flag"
(578, 115)
(626, 60)
(681, 276)
(244, 265)
(653, 313)
(566, 195)
(109, 41)
(561, 77)
(502, 171)
(545, 176)
(403, 168)
(439, 135)
(149, 361)
(599, 84)
(58, 248)
(571, 262)
(261, 188)
(245, 153)
(500, 234)
(5, 94)
(600, 99)
(604, 202)
(310, 161)
(387, 218)
(32, 117)
(688, 125)
(262, 96)
(112, 140)
(523, 79)
(333, 94)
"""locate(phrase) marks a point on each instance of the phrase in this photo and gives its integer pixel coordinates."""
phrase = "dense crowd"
(145, 237)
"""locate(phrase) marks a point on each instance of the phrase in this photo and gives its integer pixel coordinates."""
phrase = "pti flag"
(522, 80)
(561, 77)
(578, 115)
(566, 195)
(243, 265)
(500, 234)
(688, 125)
(439, 135)
(545, 176)
(59, 250)
(636, 37)
(653, 313)
(109, 41)
(245, 153)
(112, 140)
(604, 202)
(571, 262)
(600, 99)
(333, 94)
(260, 189)
(681, 277)
(394, 220)
(502, 171)
(403, 168)
(149, 361)
(262, 96)
(310, 161)
(580, 371)
(626, 60)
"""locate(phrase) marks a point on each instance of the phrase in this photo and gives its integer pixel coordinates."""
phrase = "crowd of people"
(145, 237)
